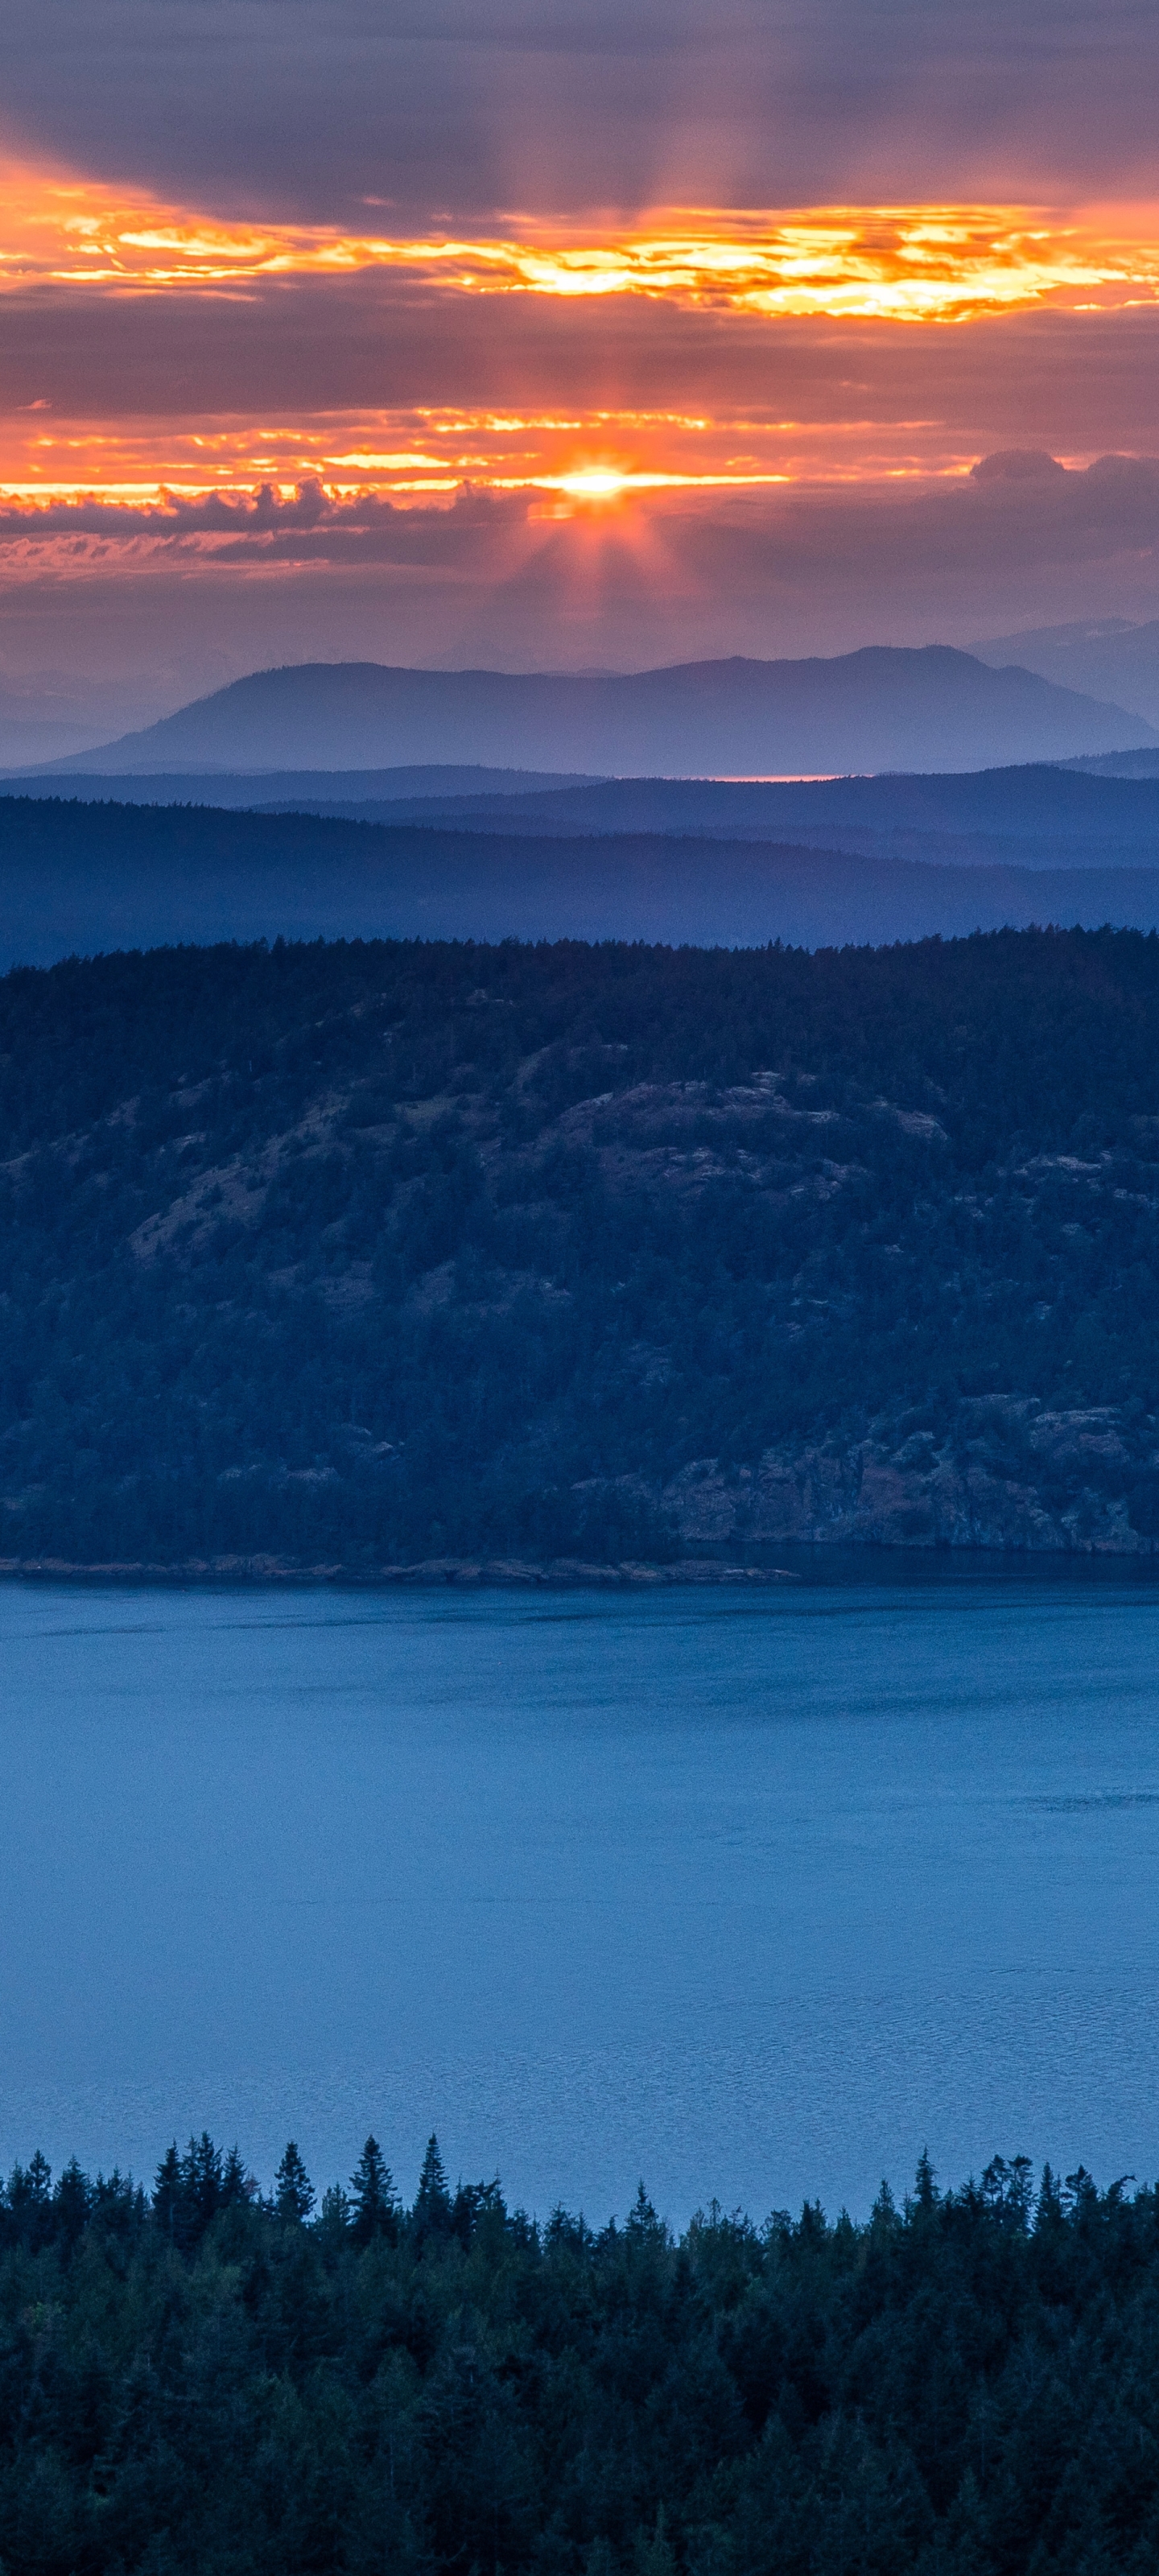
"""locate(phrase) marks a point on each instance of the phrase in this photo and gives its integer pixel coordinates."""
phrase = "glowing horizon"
(598, 462)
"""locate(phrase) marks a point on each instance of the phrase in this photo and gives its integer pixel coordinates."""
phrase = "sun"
(594, 483)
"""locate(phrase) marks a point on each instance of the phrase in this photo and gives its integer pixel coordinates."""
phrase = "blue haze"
(750, 1897)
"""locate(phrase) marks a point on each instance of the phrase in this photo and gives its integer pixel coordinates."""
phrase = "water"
(751, 1898)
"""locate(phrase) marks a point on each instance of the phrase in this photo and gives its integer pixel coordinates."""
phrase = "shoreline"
(429, 1574)
(829, 1561)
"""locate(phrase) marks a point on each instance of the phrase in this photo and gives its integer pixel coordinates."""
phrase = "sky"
(564, 334)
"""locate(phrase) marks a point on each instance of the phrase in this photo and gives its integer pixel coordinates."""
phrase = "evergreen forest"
(206, 2381)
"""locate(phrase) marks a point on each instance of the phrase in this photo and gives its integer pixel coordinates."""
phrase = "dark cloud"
(1017, 465)
(1069, 384)
(458, 106)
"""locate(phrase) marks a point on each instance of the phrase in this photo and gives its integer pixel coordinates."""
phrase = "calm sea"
(750, 1898)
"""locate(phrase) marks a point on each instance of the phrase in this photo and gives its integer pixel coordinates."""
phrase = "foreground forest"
(206, 2382)
(367, 1255)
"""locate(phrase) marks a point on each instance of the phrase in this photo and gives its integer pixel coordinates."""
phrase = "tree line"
(206, 2377)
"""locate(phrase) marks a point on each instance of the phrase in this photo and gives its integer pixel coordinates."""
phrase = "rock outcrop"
(1011, 1474)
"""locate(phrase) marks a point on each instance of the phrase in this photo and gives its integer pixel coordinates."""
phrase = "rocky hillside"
(389, 1254)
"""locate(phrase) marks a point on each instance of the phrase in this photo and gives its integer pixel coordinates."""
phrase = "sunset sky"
(557, 334)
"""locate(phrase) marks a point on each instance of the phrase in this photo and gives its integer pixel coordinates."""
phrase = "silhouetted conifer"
(201, 2173)
(72, 2201)
(375, 2209)
(237, 2186)
(169, 2195)
(925, 2185)
(30, 2201)
(432, 2209)
(293, 2190)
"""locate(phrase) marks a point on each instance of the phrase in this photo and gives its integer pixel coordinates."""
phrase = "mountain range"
(883, 708)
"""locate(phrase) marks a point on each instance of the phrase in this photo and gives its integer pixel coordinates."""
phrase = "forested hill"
(204, 2382)
(79, 878)
(1045, 817)
(370, 1255)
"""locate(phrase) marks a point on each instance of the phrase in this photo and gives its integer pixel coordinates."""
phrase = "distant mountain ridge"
(1117, 764)
(1037, 816)
(299, 791)
(86, 879)
(928, 708)
(1112, 657)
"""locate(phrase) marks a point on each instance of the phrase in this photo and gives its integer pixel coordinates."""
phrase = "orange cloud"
(890, 263)
(893, 264)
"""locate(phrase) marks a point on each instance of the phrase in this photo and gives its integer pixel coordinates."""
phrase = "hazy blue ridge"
(297, 789)
(80, 879)
(1037, 815)
(1118, 764)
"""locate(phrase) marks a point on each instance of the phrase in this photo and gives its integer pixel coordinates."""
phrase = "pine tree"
(30, 2201)
(653, 2550)
(72, 2201)
(202, 2174)
(333, 2223)
(293, 2190)
(432, 2209)
(39, 2179)
(169, 2194)
(642, 2219)
(375, 2206)
(925, 2186)
(237, 2186)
